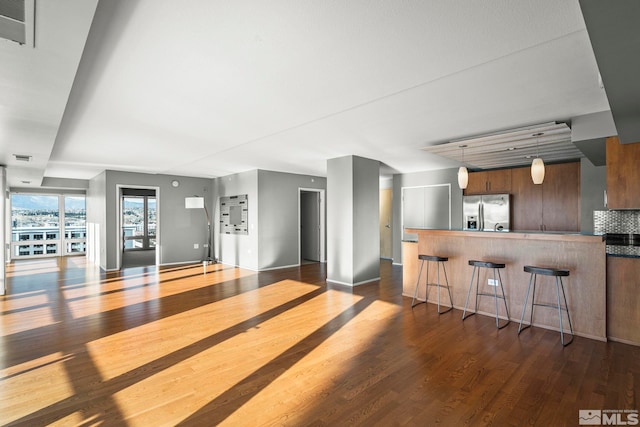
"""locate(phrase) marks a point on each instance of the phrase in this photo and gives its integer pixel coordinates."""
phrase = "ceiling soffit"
(516, 147)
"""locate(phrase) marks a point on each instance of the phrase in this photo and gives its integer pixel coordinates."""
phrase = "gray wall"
(272, 199)
(444, 176)
(179, 228)
(366, 219)
(278, 241)
(353, 220)
(339, 219)
(593, 183)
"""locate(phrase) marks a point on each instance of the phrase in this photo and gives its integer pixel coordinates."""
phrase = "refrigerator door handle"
(481, 217)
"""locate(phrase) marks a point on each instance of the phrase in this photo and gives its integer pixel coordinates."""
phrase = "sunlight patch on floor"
(43, 380)
(212, 369)
(299, 388)
(110, 294)
(154, 339)
(13, 311)
(24, 271)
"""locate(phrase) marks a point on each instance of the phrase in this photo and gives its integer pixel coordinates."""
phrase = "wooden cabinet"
(409, 268)
(526, 201)
(561, 197)
(489, 182)
(623, 299)
(551, 206)
(623, 174)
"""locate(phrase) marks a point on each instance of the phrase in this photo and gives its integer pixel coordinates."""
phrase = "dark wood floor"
(174, 346)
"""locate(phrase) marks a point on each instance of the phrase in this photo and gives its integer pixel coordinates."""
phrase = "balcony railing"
(28, 242)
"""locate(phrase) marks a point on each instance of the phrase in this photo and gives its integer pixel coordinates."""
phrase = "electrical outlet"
(196, 246)
(492, 282)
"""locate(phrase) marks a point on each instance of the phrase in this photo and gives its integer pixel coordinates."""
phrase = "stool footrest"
(438, 285)
(554, 306)
(485, 294)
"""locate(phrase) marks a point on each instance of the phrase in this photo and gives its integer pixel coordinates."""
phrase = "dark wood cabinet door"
(623, 175)
(489, 182)
(477, 183)
(561, 197)
(526, 201)
(499, 181)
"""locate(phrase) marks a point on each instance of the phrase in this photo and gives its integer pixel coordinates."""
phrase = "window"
(40, 221)
(139, 219)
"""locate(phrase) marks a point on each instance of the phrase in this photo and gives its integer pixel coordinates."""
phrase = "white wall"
(96, 220)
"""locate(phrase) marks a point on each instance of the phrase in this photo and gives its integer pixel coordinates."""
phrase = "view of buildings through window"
(47, 225)
(139, 222)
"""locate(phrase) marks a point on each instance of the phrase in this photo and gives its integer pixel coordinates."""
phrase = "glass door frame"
(119, 210)
(146, 237)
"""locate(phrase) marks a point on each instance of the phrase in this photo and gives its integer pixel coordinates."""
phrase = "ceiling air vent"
(17, 21)
(22, 157)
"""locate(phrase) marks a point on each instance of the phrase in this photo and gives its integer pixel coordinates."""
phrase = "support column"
(3, 226)
(353, 224)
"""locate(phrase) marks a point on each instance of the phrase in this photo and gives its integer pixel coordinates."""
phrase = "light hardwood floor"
(175, 346)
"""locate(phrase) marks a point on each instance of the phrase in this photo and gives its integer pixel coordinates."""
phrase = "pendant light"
(537, 166)
(463, 174)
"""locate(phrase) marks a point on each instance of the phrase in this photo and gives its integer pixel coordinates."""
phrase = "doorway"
(311, 218)
(138, 227)
(386, 200)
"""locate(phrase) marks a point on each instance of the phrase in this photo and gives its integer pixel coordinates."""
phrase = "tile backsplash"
(623, 228)
(618, 222)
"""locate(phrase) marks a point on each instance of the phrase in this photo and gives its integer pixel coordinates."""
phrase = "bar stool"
(496, 269)
(558, 274)
(439, 260)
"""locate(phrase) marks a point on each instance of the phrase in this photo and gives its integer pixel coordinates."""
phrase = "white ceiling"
(209, 88)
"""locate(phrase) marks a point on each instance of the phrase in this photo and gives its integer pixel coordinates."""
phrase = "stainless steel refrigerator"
(490, 212)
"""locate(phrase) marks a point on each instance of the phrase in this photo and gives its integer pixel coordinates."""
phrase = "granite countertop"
(570, 233)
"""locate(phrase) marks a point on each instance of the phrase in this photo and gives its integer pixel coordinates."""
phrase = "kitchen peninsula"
(583, 254)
